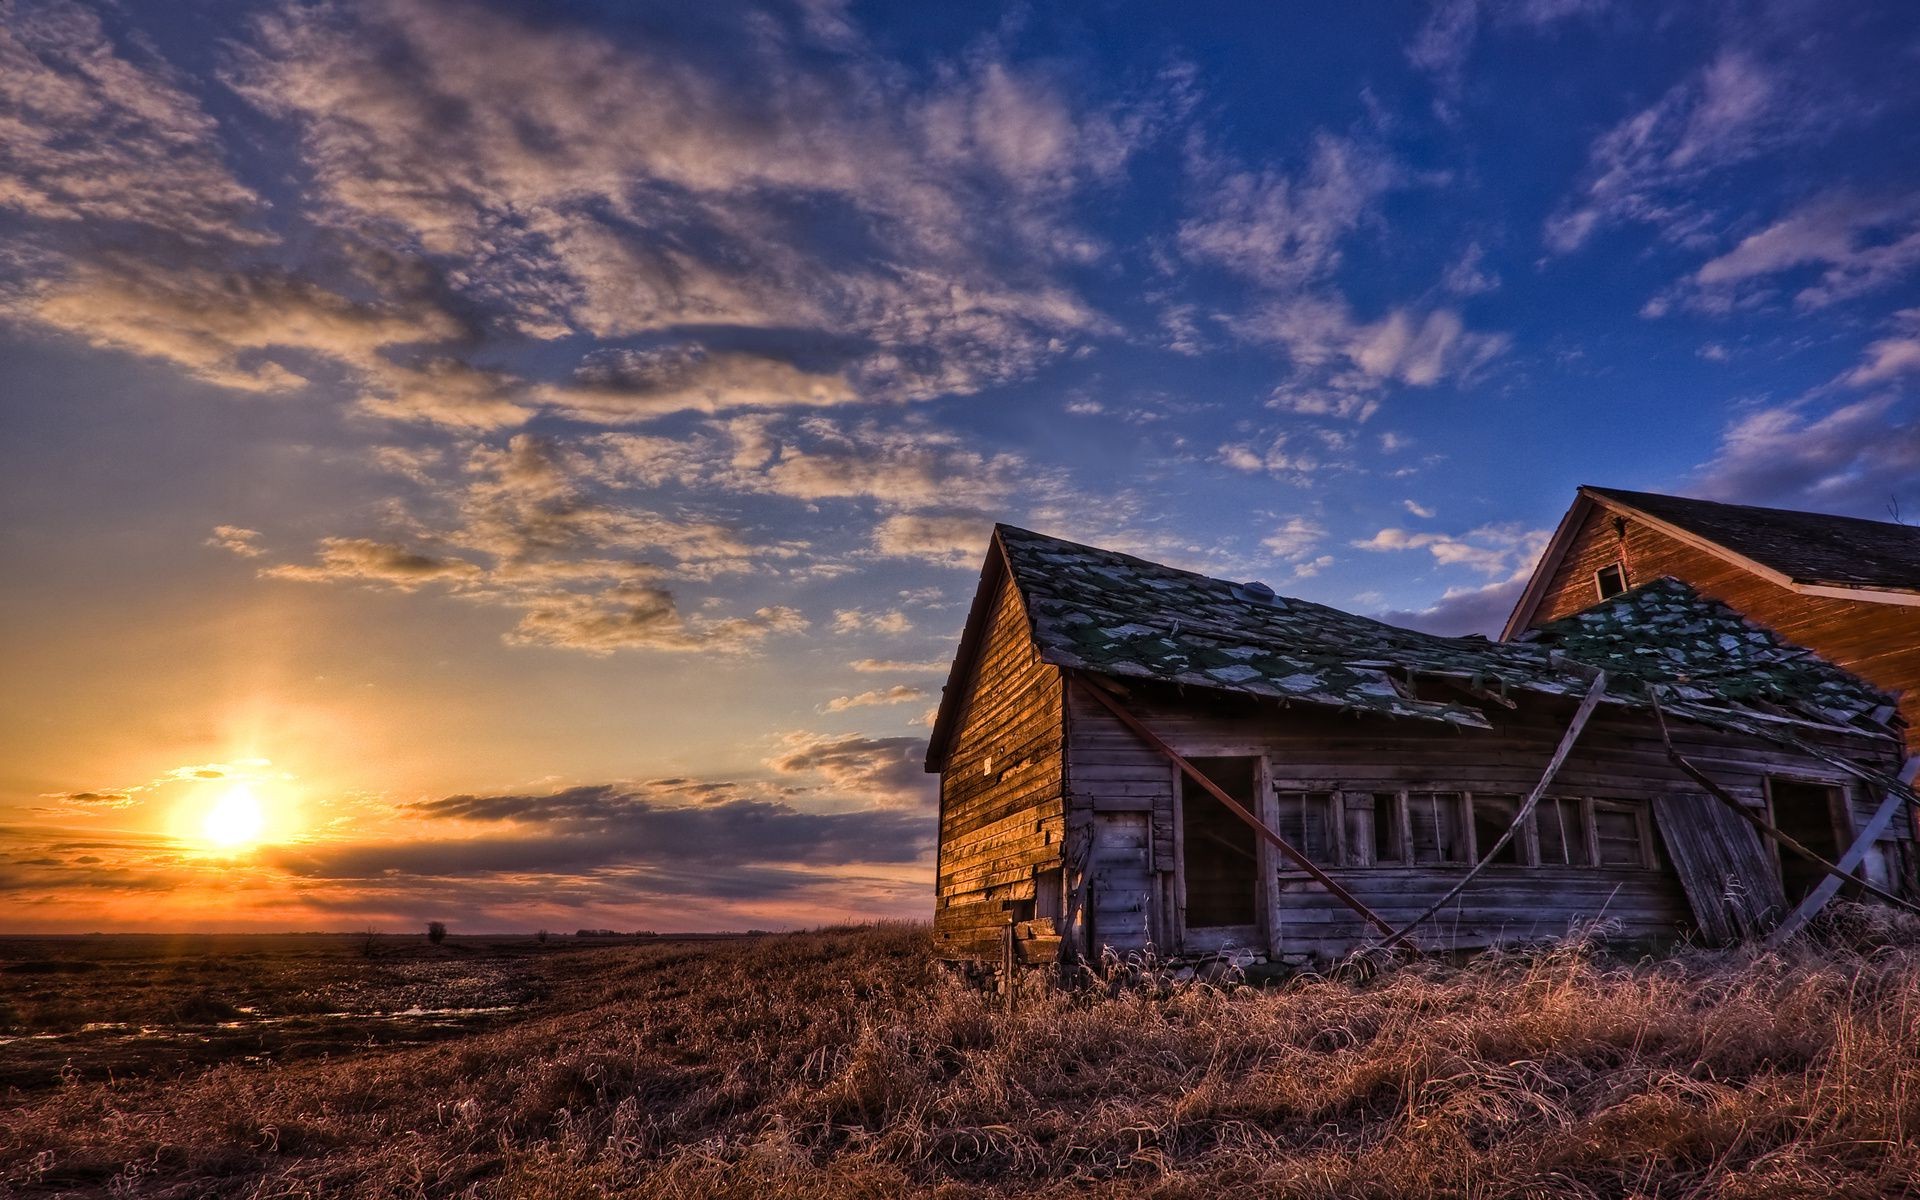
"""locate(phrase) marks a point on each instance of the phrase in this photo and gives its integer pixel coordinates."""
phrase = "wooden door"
(1122, 890)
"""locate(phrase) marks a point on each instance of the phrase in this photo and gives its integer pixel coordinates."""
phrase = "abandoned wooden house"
(1845, 588)
(1134, 755)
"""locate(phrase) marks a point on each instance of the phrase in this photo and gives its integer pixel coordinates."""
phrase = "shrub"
(436, 932)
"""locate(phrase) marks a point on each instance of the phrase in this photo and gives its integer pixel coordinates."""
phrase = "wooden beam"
(1851, 860)
(1580, 717)
(1234, 806)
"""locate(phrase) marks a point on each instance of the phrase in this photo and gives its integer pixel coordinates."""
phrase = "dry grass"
(847, 1064)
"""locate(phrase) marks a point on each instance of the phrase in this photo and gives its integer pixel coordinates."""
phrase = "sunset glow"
(236, 819)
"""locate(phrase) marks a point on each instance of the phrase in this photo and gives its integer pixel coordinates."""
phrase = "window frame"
(1619, 569)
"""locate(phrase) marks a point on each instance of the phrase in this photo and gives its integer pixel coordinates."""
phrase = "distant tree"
(541, 937)
(436, 932)
(369, 938)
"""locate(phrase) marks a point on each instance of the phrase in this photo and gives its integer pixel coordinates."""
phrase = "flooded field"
(118, 1007)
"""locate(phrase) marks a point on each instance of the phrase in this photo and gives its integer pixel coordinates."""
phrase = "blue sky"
(602, 408)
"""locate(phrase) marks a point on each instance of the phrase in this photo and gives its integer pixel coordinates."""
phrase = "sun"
(236, 819)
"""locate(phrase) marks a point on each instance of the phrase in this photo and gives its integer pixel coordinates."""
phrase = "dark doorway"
(1221, 858)
(1809, 813)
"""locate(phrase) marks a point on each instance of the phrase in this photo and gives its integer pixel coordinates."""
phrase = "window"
(1439, 835)
(1563, 832)
(1620, 834)
(1610, 580)
(1491, 817)
(1373, 828)
(1425, 828)
(1306, 822)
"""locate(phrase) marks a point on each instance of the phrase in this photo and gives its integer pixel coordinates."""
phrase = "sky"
(527, 465)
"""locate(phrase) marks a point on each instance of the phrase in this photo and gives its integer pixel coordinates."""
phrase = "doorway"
(1811, 814)
(1220, 855)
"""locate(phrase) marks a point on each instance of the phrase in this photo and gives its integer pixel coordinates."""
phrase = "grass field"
(847, 1063)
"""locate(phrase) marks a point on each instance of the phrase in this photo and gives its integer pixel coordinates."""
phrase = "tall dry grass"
(848, 1064)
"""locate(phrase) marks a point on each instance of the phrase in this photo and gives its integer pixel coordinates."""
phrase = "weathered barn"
(1844, 588)
(1131, 754)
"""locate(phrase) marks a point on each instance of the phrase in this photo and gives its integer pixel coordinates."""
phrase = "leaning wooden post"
(1580, 717)
(1235, 807)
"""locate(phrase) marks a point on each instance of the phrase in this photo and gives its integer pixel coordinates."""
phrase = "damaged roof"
(1113, 614)
(1665, 632)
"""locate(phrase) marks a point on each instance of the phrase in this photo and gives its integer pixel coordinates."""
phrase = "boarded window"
(1439, 835)
(1563, 834)
(1491, 817)
(1610, 580)
(1305, 820)
(1620, 833)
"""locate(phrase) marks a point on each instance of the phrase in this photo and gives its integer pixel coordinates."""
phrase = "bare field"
(847, 1063)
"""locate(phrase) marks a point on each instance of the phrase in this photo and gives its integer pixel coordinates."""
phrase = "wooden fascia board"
(1871, 595)
(1549, 564)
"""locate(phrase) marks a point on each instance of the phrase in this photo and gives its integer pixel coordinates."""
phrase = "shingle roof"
(1806, 547)
(1117, 615)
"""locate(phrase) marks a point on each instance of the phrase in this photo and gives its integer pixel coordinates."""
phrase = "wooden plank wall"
(1001, 816)
(1878, 642)
(1620, 757)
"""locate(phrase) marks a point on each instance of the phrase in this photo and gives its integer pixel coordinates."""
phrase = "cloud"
(954, 539)
(616, 186)
(1646, 168)
(1853, 458)
(237, 539)
(626, 385)
(898, 694)
(89, 134)
(1848, 246)
(857, 620)
(1468, 275)
(1462, 611)
(883, 666)
(640, 616)
(610, 841)
(1402, 346)
(1889, 358)
(538, 531)
(1418, 509)
(1295, 539)
(1445, 41)
(225, 327)
(889, 771)
(1283, 232)
(369, 561)
(1490, 549)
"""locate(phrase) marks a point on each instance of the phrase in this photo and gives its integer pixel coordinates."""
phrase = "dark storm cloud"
(589, 828)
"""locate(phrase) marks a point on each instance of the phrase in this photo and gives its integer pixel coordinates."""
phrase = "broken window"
(1491, 817)
(1439, 833)
(1562, 832)
(1305, 820)
(1620, 834)
(1610, 580)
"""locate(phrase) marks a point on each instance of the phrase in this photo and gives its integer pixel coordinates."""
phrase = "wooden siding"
(1878, 642)
(1619, 757)
(1001, 817)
